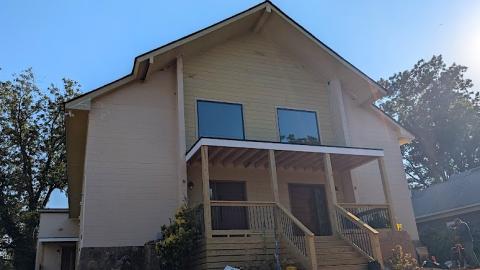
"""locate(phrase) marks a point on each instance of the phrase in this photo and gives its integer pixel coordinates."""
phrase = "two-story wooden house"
(255, 119)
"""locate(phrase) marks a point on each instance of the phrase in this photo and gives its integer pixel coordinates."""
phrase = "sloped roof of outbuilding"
(459, 192)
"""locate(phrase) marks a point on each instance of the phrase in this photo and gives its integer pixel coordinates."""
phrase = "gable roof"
(459, 192)
(143, 61)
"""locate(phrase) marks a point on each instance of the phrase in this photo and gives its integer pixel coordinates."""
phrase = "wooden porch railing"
(265, 218)
(358, 233)
(242, 217)
(300, 240)
(377, 216)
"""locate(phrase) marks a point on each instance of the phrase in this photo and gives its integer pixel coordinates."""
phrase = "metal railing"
(377, 216)
(358, 233)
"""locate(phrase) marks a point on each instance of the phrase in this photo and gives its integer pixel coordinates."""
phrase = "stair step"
(339, 255)
(338, 249)
(327, 238)
(346, 261)
(344, 267)
(335, 253)
(332, 244)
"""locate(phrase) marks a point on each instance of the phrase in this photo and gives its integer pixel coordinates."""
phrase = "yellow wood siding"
(255, 72)
(258, 183)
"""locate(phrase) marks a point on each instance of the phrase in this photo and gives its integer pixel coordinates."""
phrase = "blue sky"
(95, 42)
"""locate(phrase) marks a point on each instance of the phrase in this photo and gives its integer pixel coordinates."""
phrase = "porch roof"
(254, 154)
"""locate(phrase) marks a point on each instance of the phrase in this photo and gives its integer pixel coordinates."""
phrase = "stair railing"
(378, 216)
(359, 234)
(300, 240)
(266, 217)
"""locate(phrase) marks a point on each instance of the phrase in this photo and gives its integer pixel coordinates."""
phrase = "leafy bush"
(179, 238)
(401, 260)
(439, 242)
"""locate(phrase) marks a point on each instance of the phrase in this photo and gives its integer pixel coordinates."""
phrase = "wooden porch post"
(273, 175)
(207, 215)
(386, 190)
(331, 193)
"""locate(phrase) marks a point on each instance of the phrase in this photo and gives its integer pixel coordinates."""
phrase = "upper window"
(296, 126)
(220, 120)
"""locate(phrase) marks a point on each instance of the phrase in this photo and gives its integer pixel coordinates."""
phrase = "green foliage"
(305, 140)
(437, 104)
(439, 239)
(401, 260)
(32, 159)
(179, 238)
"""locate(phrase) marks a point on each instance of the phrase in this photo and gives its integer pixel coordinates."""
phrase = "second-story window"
(298, 126)
(220, 120)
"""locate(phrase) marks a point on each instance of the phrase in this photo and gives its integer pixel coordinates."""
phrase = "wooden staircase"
(354, 244)
(335, 253)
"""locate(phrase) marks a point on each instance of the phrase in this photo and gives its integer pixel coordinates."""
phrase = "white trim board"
(448, 213)
(57, 239)
(283, 147)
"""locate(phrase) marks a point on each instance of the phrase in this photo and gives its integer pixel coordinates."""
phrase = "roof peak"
(144, 61)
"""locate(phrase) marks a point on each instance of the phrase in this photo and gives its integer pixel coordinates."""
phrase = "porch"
(288, 193)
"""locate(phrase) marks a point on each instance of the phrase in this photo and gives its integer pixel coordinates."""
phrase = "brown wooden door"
(231, 217)
(309, 205)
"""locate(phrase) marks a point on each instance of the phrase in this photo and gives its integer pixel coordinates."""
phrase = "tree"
(437, 104)
(32, 160)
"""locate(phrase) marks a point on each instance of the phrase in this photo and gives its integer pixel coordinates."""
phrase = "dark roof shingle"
(460, 190)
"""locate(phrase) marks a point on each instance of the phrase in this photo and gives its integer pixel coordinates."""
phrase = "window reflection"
(296, 126)
(220, 120)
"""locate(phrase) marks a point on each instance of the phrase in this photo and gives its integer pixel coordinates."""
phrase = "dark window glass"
(220, 120)
(298, 126)
(229, 217)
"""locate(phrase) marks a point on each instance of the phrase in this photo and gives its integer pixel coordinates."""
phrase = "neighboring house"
(253, 118)
(57, 240)
(437, 206)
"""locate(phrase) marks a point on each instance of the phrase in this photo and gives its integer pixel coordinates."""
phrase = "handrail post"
(273, 175)
(312, 253)
(330, 192)
(276, 219)
(207, 211)
(376, 249)
(386, 190)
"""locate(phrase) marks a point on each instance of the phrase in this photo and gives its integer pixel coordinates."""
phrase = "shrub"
(401, 260)
(178, 239)
(439, 242)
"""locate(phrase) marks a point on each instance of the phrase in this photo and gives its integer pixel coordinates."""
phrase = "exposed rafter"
(263, 19)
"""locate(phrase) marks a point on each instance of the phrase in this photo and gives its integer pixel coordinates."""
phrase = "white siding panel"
(131, 186)
(368, 130)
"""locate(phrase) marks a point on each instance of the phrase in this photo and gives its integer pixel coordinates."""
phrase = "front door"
(309, 205)
(228, 217)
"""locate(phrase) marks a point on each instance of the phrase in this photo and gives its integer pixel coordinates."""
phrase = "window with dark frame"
(298, 126)
(220, 120)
